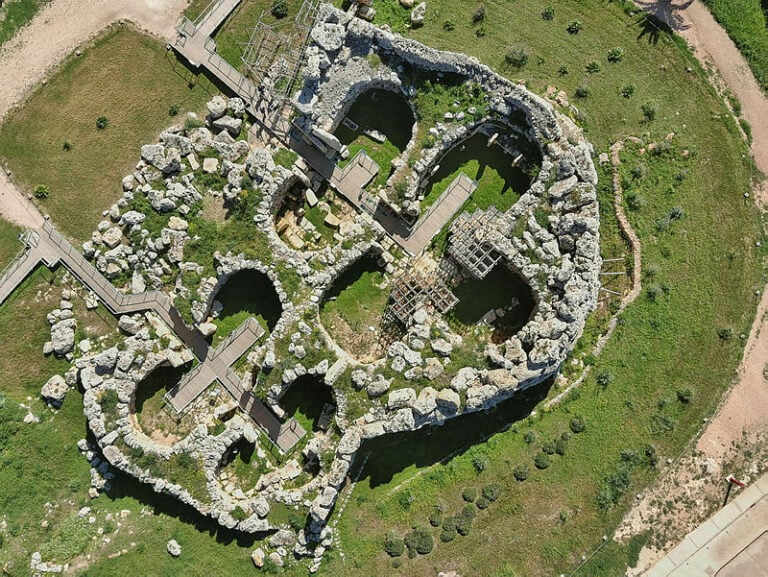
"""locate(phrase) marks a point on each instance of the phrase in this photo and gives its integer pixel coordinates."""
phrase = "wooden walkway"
(46, 246)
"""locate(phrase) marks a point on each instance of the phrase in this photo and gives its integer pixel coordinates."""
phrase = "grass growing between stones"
(16, 14)
(9, 243)
(354, 303)
(52, 139)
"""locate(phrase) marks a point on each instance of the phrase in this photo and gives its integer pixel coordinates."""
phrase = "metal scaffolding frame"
(414, 290)
(472, 240)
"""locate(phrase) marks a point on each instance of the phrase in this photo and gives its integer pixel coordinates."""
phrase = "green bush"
(393, 545)
(478, 15)
(627, 90)
(482, 503)
(615, 54)
(108, 400)
(521, 472)
(562, 71)
(102, 122)
(405, 499)
(419, 540)
(436, 517)
(529, 437)
(548, 448)
(465, 519)
(174, 109)
(469, 494)
(449, 25)
(239, 514)
(593, 67)
(186, 461)
(517, 56)
(649, 109)
(279, 9)
(492, 492)
(42, 191)
(604, 378)
(480, 32)
(191, 123)
(685, 396)
(561, 446)
(548, 13)
(574, 27)
(582, 91)
(480, 463)
(578, 425)
(541, 460)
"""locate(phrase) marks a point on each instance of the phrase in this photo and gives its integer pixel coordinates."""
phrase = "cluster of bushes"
(558, 446)
(419, 541)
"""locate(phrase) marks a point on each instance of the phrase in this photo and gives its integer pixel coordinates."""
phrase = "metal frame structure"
(471, 242)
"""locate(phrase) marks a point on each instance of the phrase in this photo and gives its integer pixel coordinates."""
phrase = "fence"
(463, 182)
(251, 325)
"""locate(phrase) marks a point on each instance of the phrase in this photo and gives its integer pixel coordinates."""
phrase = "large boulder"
(217, 107)
(54, 391)
(330, 37)
(63, 336)
(173, 548)
(418, 14)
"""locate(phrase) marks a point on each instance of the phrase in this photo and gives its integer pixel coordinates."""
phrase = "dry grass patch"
(53, 139)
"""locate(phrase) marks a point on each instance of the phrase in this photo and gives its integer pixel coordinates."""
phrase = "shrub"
(406, 499)
(449, 25)
(478, 15)
(604, 378)
(592, 67)
(192, 122)
(541, 460)
(676, 213)
(627, 90)
(492, 492)
(102, 122)
(634, 201)
(649, 109)
(397, 563)
(464, 520)
(615, 54)
(66, 146)
(448, 532)
(239, 514)
(297, 521)
(747, 128)
(561, 446)
(521, 472)
(480, 463)
(548, 448)
(186, 460)
(574, 26)
(652, 458)
(393, 545)
(725, 334)
(685, 396)
(42, 191)
(279, 9)
(469, 494)
(480, 32)
(482, 503)
(419, 540)
(517, 56)
(174, 109)
(582, 91)
(529, 437)
(578, 425)
(436, 517)
(548, 13)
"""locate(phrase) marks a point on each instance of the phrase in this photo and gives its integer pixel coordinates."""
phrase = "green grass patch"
(354, 303)
(16, 14)
(124, 75)
(9, 243)
(247, 293)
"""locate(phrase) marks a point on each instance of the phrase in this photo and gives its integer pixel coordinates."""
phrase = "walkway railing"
(250, 325)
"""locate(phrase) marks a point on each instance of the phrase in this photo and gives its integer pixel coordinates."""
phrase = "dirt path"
(54, 33)
(692, 20)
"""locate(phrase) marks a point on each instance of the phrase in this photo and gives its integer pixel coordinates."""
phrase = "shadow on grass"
(307, 396)
(391, 454)
(161, 379)
(250, 291)
(125, 486)
(651, 27)
(367, 264)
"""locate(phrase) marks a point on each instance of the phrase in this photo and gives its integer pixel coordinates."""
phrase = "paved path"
(46, 246)
(733, 543)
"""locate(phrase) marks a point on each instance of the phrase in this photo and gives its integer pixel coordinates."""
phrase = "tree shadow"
(391, 454)
(165, 377)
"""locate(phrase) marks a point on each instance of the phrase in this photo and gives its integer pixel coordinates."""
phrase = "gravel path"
(54, 33)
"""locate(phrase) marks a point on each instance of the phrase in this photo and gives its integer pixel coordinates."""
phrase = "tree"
(517, 56)
(279, 9)
(102, 122)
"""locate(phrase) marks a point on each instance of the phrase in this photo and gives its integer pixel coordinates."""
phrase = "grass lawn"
(124, 75)
(9, 242)
(15, 14)
(237, 30)
(352, 305)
